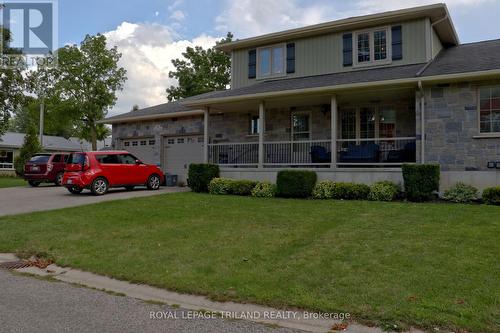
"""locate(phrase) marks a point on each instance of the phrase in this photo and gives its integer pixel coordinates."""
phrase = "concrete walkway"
(17, 200)
(294, 320)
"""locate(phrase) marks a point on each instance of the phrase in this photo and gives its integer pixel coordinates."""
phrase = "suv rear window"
(40, 158)
(76, 159)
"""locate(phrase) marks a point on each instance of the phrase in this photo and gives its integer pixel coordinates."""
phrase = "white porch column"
(422, 124)
(333, 115)
(262, 124)
(205, 135)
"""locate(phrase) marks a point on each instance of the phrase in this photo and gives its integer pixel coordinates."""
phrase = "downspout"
(422, 123)
(432, 35)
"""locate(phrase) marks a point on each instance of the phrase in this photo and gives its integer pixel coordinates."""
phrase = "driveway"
(33, 305)
(17, 200)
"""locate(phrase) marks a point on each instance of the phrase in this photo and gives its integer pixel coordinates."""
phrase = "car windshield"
(40, 158)
(76, 159)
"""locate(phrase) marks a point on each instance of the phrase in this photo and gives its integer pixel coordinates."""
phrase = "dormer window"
(271, 61)
(372, 47)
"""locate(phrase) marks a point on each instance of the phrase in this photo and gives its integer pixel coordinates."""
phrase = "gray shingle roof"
(164, 108)
(53, 143)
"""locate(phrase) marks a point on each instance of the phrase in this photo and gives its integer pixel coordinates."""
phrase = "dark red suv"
(100, 170)
(45, 168)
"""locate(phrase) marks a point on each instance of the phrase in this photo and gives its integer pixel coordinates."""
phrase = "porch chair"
(319, 154)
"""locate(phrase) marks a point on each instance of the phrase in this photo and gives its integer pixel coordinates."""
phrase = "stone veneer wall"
(157, 129)
(451, 123)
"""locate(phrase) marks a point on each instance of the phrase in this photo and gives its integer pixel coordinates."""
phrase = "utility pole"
(42, 106)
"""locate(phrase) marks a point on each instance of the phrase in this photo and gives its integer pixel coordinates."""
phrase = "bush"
(219, 186)
(241, 187)
(295, 183)
(420, 181)
(264, 190)
(341, 191)
(383, 191)
(491, 195)
(200, 175)
(461, 193)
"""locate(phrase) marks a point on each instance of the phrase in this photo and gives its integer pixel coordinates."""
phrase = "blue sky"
(150, 33)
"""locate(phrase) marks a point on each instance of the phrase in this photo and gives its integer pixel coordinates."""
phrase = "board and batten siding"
(322, 54)
(436, 44)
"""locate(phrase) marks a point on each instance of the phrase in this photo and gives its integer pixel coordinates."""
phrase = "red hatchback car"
(101, 170)
(45, 168)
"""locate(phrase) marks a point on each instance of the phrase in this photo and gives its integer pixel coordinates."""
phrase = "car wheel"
(129, 188)
(59, 178)
(99, 186)
(153, 182)
(33, 183)
(74, 189)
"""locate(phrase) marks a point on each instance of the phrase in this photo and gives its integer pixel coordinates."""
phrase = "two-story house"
(353, 99)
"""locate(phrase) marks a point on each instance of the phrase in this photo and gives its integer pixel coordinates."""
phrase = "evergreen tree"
(30, 147)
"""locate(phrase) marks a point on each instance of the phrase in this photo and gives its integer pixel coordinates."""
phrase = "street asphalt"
(29, 304)
(25, 199)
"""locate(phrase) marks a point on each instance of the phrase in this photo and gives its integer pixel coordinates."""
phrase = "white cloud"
(246, 18)
(147, 50)
(178, 15)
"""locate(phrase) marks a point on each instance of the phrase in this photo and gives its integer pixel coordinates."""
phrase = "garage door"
(179, 152)
(143, 149)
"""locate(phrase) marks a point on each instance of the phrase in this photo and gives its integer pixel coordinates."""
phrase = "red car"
(45, 168)
(101, 170)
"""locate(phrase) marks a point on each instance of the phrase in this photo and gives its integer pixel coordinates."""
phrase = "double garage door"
(177, 153)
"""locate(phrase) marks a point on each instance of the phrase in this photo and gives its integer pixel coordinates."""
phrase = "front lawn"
(6, 181)
(430, 265)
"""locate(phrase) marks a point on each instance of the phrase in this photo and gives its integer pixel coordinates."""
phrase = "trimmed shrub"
(241, 187)
(420, 181)
(264, 190)
(491, 195)
(295, 183)
(200, 175)
(219, 186)
(323, 190)
(461, 193)
(351, 191)
(383, 191)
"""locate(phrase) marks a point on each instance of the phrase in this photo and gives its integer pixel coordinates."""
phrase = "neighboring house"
(11, 142)
(377, 91)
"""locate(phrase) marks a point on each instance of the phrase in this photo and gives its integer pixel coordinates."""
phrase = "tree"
(200, 71)
(135, 107)
(30, 147)
(86, 80)
(11, 80)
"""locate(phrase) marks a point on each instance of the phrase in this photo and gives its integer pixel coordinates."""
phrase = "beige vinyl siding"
(323, 54)
(436, 44)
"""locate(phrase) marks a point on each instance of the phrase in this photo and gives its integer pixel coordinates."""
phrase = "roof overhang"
(343, 87)
(151, 117)
(437, 13)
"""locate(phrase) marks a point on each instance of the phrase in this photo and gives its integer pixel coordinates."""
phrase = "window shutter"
(347, 50)
(397, 43)
(252, 64)
(290, 58)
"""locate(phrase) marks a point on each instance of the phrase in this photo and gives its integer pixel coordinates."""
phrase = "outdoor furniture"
(407, 154)
(319, 154)
(364, 153)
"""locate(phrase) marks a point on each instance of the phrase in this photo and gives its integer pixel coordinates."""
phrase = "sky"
(150, 33)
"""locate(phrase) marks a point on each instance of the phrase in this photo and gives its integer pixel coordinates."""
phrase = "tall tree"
(200, 71)
(86, 80)
(30, 147)
(11, 80)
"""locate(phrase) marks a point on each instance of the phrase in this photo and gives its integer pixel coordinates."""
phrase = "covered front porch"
(364, 129)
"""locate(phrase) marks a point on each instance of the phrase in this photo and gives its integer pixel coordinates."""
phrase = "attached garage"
(142, 148)
(179, 152)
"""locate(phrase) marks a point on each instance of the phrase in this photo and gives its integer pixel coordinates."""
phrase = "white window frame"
(250, 131)
(484, 134)
(271, 75)
(294, 113)
(372, 61)
(11, 164)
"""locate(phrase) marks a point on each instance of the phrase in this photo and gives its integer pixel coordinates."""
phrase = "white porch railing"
(316, 153)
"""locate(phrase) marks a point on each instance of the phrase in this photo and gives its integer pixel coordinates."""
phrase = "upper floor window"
(271, 61)
(489, 109)
(372, 47)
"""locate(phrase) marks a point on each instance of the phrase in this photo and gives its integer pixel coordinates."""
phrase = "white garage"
(142, 148)
(179, 152)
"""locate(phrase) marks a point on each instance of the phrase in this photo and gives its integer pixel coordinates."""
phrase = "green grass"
(7, 181)
(429, 265)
